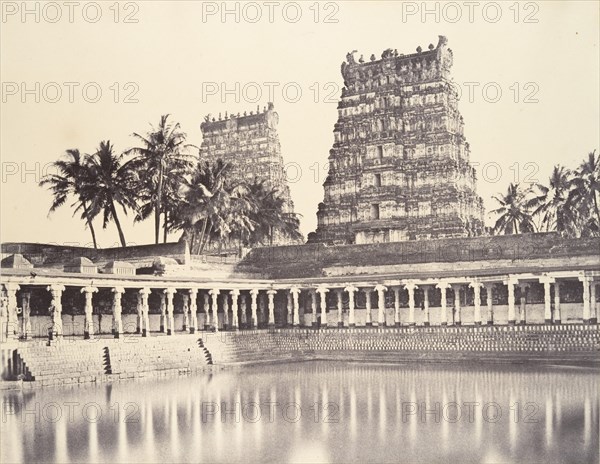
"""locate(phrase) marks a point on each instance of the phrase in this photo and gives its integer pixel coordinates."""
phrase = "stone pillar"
(289, 309)
(185, 308)
(193, 310)
(253, 307)
(425, 305)
(594, 304)
(322, 291)
(235, 293)
(476, 286)
(368, 321)
(117, 311)
(523, 304)
(206, 307)
(170, 292)
(586, 281)
(410, 287)
(380, 289)
(443, 286)
(456, 319)
(163, 312)
(271, 305)
(140, 312)
(295, 291)
(397, 306)
(547, 281)
(557, 302)
(489, 289)
(145, 292)
(88, 329)
(313, 307)
(225, 311)
(340, 312)
(510, 283)
(243, 309)
(214, 293)
(26, 305)
(351, 316)
(12, 325)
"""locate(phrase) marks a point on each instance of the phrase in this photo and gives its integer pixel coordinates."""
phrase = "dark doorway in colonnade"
(40, 320)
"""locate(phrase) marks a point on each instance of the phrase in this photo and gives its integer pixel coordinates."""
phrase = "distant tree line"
(164, 178)
(568, 203)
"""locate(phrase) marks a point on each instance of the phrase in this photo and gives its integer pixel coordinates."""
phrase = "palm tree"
(586, 192)
(514, 214)
(269, 215)
(162, 160)
(113, 182)
(70, 180)
(553, 204)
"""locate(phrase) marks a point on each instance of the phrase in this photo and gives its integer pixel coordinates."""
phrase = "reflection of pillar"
(443, 286)
(253, 306)
(523, 304)
(351, 316)
(185, 308)
(397, 306)
(411, 302)
(12, 326)
(295, 291)
(193, 310)
(557, 302)
(380, 289)
(117, 311)
(368, 305)
(271, 305)
(163, 312)
(425, 305)
(585, 281)
(225, 311)
(476, 286)
(206, 308)
(26, 305)
(322, 291)
(235, 293)
(338, 293)
(214, 293)
(456, 320)
(489, 293)
(145, 292)
(170, 292)
(547, 281)
(88, 329)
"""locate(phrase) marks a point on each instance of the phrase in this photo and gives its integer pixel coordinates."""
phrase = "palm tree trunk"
(157, 207)
(165, 226)
(118, 224)
(205, 235)
(90, 225)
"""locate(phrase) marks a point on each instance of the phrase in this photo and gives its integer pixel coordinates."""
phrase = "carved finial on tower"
(225, 114)
(270, 105)
(219, 116)
(257, 109)
(361, 60)
(264, 109)
(373, 57)
(207, 118)
(431, 47)
(238, 115)
(213, 119)
(395, 52)
(419, 49)
(245, 114)
(350, 57)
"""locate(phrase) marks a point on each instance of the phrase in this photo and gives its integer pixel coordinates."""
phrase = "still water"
(313, 412)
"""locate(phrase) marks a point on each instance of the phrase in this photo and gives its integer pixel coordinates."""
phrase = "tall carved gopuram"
(399, 168)
(250, 143)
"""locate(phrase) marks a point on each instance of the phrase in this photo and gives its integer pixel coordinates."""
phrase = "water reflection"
(313, 412)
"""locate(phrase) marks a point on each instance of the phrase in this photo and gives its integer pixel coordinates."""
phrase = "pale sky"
(542, 56)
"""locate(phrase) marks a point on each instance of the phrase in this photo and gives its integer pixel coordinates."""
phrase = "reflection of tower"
(250, 144)
(399, 142)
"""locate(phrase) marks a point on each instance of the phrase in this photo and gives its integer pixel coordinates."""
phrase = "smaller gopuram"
(249, 142)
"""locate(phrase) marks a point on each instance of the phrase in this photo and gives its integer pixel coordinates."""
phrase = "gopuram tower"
(250, 143)
(399, 168)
